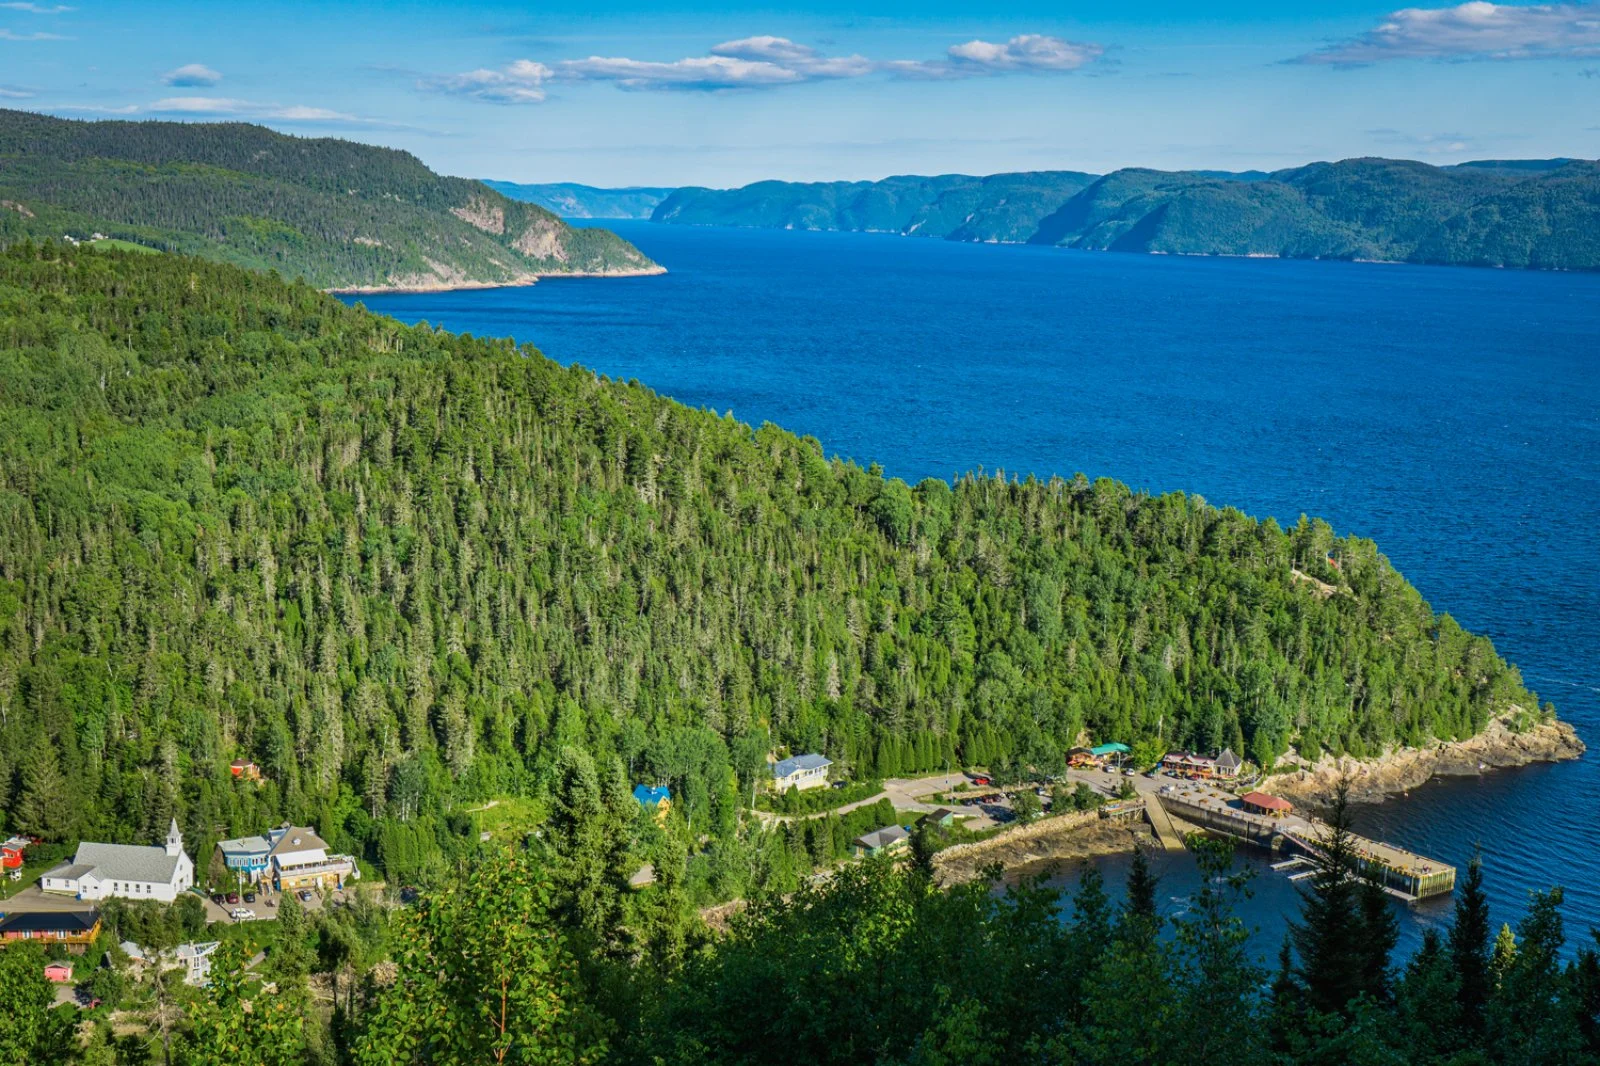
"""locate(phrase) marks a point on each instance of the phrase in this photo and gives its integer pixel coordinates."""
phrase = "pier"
(1402, 873)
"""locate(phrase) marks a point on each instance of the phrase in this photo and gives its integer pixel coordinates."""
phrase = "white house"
(127, 871)
(194, 959)
(802, 771)
(299, 859)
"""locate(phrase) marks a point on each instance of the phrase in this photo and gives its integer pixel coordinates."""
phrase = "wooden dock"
(1403, 874)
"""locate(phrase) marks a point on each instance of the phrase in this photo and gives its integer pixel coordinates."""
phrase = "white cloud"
(14, 92)
(1477, 30)
(8, 35)
(520, 83)
(1030, 53)
(36, 9)
(761, 62)
(1425, 143)
(799, 59)
(224, 108)
(192, 75)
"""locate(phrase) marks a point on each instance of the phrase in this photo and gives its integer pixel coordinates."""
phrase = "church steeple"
(174, 839)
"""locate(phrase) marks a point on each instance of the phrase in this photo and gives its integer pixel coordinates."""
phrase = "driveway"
(33, 900)
(266, 906)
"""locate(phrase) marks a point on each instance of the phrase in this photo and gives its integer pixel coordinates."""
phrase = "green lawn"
(124, 246)
(510, 818)
(31, 872)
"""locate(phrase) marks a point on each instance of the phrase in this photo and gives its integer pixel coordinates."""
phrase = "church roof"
(122, 862)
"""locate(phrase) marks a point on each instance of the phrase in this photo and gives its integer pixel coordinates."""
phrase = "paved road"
(32, 900)
(906, 794)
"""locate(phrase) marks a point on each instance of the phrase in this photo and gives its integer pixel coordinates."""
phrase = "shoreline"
(519, 282)
(1081, 835)
(1399, 771)
(1084, 836)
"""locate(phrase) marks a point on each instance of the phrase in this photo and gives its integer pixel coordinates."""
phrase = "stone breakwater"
(1373, 780)
(1071, 836)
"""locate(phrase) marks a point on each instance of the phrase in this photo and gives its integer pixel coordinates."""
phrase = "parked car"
(242, 914)
(305, 895)
(249, 897)
(233, 897)
(216, 897)
(980, 780)
(1131, 772)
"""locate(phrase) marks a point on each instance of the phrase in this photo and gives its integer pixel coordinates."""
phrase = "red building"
(1261, 803)
(75, 929)
(11, 857)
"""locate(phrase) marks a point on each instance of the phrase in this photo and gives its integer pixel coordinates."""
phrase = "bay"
(1452, 415)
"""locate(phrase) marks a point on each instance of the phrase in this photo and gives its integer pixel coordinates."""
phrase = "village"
(249, 876)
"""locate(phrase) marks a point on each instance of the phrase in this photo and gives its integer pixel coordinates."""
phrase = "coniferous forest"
(336, 213)
(410, 574)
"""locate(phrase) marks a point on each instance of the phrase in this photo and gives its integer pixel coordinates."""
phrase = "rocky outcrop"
(542, 240)
(483, 214)
(1071, 836)
(1500, 745)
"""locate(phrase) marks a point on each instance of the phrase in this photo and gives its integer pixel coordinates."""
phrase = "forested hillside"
(404, 570)
(570, 200)
(1002, 207)
(1541, 214)
(336, 213)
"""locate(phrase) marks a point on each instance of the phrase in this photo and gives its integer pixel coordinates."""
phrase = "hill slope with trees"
(1002, 207)
(571, 200)
(336, 213)
(405, 571)
(1513, 213)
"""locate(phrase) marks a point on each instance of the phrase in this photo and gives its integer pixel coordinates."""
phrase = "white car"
(242, 914)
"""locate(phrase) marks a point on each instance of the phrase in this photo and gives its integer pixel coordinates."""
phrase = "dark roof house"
(880, 840)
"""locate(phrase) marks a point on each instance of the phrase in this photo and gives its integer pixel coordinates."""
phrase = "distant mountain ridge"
(336, 213)
(1000, 207)
(571, 200)
(1541, 214)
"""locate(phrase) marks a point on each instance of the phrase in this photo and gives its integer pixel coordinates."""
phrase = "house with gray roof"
(801, 771)
(126, 871)
(246, 857)
(889, 838)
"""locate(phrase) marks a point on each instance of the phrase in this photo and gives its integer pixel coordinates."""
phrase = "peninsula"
(334, 213)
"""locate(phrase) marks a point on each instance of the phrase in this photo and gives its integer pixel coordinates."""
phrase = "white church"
(127, 871)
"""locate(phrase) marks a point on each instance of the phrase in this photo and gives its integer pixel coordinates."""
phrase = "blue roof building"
(651, 796)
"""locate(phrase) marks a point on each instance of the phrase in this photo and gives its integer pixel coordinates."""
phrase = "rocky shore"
(444, 281)
(1071, 836)
(1372, 780)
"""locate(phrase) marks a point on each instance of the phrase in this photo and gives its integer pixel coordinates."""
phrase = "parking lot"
(265, 906)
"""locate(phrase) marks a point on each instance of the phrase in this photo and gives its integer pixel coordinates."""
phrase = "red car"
(980, 781)
(233, 897)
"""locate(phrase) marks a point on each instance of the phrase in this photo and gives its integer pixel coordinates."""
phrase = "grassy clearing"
(124, 246)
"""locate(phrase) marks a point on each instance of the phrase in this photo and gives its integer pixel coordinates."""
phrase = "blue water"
(1452, 415)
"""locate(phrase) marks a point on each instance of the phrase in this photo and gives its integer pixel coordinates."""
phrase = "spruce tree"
(1141, 902)
(1327, 938)
(1380, 932)
(1468, 945)
(43, 806)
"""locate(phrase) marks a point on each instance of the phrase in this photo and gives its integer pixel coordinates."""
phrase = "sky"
(679, 93)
